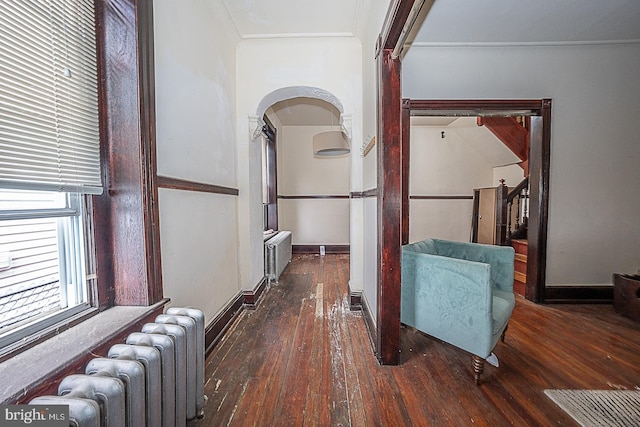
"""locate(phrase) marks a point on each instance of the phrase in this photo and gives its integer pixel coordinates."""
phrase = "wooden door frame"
(393, 178)
(539, 164)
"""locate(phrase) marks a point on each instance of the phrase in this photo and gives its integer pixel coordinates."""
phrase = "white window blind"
(49, 137)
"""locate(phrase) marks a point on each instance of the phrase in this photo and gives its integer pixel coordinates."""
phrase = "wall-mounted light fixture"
(331, 143)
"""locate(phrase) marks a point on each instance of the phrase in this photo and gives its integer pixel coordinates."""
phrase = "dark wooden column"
(406, 156)
(539, 163)
(389, 206)
(390, 177)
(126, 214)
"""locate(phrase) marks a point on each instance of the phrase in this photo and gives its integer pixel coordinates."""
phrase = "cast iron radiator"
(155, 379)
(277, 255)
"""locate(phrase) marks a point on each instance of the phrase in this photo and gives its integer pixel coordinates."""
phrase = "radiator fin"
(150, 359)
(189, 326)
(131, 373)
(198, 317)
(82, 412)
(165, 346)
(277, 255)
(107, 391)
(155, 379)
(177, 334)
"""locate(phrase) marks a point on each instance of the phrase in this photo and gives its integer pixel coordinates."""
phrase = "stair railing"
(517, 219)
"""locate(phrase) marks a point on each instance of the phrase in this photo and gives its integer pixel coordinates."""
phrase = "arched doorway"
(302, 191)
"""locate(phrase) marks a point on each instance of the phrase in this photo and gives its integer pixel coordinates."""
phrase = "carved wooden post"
(501, 213)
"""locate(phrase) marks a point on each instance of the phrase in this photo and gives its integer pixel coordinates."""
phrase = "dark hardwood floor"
(303, 358)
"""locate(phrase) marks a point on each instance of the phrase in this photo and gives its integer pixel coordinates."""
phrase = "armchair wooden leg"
(504, 333)
(478, 368)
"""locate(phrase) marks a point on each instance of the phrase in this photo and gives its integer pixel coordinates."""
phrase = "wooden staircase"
(520, 266)
(512, 204)
(514, 134)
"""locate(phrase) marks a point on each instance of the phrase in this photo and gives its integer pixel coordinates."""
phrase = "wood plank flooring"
(303, 358)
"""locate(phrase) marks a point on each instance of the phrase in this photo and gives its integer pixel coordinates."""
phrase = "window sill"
(38, 369)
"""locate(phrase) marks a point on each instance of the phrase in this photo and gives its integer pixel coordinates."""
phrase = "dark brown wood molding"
(251, 297)
(539, 164)
(49, 384)
(406, 156)
(315, 196)
(104, 292)
(578, 295)
(394, 23)
(373, 192)
(218, 326)
(187, 185)
(271, 151)
(369, 322)
(389, 215)
(129, 268)
(151, 210)
(475, 106)
(315, 249)
(441, 197)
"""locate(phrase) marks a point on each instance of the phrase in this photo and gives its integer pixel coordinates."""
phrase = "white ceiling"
(450, 21)
(531, 22)
(282, 18)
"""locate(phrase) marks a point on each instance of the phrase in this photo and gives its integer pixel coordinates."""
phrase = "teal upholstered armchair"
(461, 293)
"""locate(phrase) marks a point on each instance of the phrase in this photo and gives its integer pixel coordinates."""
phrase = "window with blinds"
(49, 160)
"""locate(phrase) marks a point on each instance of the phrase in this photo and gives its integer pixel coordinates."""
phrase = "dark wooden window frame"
(269, 132)
(126, 218)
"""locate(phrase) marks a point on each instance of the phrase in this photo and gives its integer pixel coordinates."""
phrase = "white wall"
(443, 167)
(315, 222)
(593, 226)
(264, 66)
(368, 33)
(300, 173)
(512, 175)
(195, 109)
